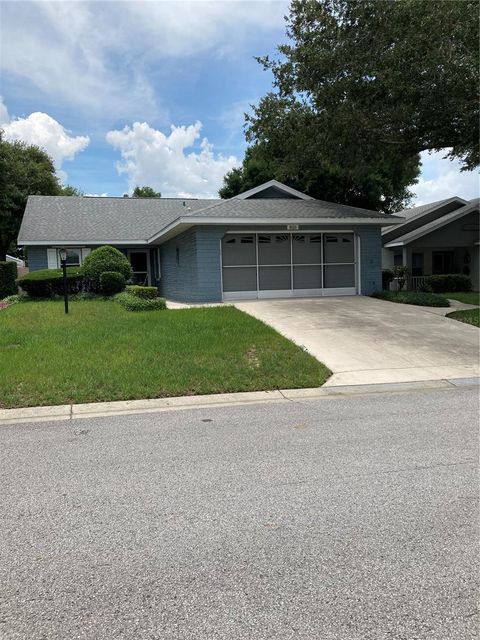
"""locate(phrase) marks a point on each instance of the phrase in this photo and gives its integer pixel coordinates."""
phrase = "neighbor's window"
(73, 257)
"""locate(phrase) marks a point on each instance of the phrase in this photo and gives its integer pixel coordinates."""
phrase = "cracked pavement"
(339, 518)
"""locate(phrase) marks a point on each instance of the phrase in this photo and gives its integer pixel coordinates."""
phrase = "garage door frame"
(292, 292)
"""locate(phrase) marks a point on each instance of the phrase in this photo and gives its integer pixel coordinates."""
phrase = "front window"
(74, 257)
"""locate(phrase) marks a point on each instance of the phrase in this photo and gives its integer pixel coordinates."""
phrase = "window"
(443, 262)
(74, 257)
(417, 264)
(177, 256)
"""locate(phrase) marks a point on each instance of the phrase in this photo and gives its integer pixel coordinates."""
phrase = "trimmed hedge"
(134, 303)
(413, 297)
(8, 275)
(104, 259)
(450, 282)
(111, 282)
(47, 283)
(146, 293)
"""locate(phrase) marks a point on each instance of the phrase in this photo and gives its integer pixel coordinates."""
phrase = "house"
(21, 268)
(437, 238)
(271, 241)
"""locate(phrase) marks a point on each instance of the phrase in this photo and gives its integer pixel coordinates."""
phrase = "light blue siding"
(370, 258)
(191, 262)
(37, 258)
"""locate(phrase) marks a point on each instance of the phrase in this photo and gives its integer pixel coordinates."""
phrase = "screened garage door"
(275, 265)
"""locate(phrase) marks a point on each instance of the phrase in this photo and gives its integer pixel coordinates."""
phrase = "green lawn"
(469, 316)
(102, 352)
(472, 297)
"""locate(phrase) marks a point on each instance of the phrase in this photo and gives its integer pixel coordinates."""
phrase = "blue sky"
(125, 93)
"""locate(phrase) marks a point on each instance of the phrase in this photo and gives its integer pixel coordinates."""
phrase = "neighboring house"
(271, 241)
(21, 268)
(18, 261)
(437, 238)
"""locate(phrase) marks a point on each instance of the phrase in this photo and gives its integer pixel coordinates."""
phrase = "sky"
(150, 93)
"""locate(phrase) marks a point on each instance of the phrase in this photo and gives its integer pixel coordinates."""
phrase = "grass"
(469, 316)
(470, 297)
(413, 297)
(101, 352)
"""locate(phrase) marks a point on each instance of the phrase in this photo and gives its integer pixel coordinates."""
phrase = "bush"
(8, 274)
(424, 287)
(387, 277)
(450, 282)
(142, 292)
(111, 282)
(47, 283)
(134, 303)
(413, 297)
(104, 259)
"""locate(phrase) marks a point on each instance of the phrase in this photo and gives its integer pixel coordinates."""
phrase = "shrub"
(413, 297)
(111, 282)
(142, 292)
(103, 259)
(134, 303)
(8, 274)
(387, 277)
(47, 283)
(400, 272)
(424, 287)
(450, 282)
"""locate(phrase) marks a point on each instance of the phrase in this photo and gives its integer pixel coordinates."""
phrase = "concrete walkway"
(368, 341)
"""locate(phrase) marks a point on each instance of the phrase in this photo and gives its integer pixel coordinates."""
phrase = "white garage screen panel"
(276, 265)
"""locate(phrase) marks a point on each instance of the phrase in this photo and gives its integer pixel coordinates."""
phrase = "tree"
(145, 192)
(68, 190)
(361, 89)
(24, 170)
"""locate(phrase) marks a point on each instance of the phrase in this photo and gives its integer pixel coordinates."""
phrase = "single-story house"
(271, 241)
(437, 238)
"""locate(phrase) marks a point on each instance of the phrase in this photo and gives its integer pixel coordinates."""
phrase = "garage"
(289, 264)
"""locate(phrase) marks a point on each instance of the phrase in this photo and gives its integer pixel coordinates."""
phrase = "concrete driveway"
(364, 340)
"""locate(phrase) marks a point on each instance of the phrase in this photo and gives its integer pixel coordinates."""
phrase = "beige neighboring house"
(437, 238)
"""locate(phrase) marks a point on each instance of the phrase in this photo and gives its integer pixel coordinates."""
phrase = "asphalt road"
(343, 518)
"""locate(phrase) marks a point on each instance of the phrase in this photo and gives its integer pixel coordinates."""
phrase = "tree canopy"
(360, 90)
(24, 170)
(145, 192)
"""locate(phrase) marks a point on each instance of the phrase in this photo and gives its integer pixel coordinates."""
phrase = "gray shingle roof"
(56, 218)
(285, 208)
(83, 219)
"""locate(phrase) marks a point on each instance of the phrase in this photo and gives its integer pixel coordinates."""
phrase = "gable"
(272, 192)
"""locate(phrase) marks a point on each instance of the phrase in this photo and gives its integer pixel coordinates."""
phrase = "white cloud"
(442, 178)
(44, 131)
(164, 163)
(100, 55)
(4, 117)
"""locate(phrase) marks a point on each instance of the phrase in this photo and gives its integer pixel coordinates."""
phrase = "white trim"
(273, 183)
(188, 221)
(80, 243)
(260, 294)
(358, 260)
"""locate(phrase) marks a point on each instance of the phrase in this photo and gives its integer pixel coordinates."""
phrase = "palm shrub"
(8, 274)
(103, 259)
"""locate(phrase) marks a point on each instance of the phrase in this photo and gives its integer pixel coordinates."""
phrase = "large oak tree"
(360, 90)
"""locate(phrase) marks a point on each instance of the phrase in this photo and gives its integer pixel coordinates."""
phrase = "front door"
(138, 259)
